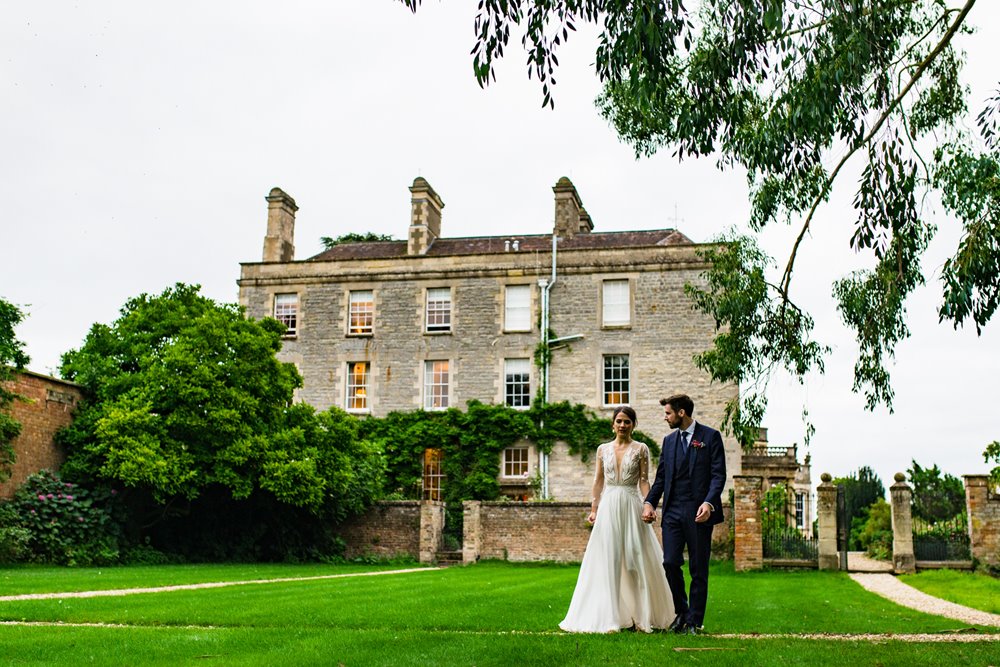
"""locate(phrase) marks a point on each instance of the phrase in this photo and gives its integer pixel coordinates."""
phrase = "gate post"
(826, 520)
(903, 560)
(749, 548)
(431, 529)
(472, 535)
(983, 509)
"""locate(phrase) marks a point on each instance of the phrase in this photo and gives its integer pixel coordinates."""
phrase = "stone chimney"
(571, 217)
(279, 242)
(425, 217)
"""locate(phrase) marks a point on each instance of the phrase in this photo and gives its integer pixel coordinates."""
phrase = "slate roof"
(486, 245)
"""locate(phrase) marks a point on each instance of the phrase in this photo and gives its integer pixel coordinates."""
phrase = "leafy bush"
(67, 524)
(872, 532)
(13, 537)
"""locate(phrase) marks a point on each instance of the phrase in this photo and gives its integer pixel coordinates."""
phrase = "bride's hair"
(629, 412)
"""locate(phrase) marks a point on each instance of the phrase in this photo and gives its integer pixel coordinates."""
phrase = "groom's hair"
(679, 402)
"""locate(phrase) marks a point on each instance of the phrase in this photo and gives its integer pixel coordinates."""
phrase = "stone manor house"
(433, 322)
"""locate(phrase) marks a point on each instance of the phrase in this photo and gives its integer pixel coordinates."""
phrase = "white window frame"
(358, 393)
(616, 303)
(361, 303)
(437, 376)
(517, 315)
(437, 310)
(516, 463)
(615, 380)
(517, 383)
(286, 311)
(800, 510)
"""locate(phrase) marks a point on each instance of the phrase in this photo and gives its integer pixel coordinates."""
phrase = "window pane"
(517, 308)
(357, 386)
(517, 382)
(616, 303)
(286, 311)
(515, 462)
(432, 476)
(435, 385)
(439, 309)
(616, 379)
(362, 312)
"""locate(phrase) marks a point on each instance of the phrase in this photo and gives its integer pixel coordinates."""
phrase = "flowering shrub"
(65, 524)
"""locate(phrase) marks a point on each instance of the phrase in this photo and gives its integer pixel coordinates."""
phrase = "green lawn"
(487, 614)
(978, 591)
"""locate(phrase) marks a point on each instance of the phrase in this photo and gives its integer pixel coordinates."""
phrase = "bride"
(621, 582)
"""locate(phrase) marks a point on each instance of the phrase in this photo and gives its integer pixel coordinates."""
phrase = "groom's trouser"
(680, 529)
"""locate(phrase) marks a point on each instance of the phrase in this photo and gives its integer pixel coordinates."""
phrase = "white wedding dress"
(621, 580)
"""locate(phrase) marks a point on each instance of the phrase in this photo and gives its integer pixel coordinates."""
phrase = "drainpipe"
(546, 285)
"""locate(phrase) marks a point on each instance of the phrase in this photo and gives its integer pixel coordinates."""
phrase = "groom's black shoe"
(694, 629)
(679, 624)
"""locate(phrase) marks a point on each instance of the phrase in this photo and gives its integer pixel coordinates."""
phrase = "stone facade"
(983, 505)
(660, 335)
(49, 407)
(780, 465)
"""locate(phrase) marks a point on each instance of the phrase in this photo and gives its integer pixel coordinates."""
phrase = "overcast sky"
(140, 138)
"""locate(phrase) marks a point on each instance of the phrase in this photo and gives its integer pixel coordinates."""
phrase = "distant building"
(433, 322)
(780, 465)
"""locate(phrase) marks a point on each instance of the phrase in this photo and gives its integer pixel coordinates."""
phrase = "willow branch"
(786, 278)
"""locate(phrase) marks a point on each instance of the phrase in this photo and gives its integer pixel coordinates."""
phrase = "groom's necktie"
(684, 444)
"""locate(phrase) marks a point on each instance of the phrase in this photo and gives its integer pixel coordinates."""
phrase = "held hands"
(704, 511)
(648, 513)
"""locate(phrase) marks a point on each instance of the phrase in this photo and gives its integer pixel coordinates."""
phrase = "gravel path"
(893, 589)
(117, 592)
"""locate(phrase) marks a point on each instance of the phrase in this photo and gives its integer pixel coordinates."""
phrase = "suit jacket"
(707, 469)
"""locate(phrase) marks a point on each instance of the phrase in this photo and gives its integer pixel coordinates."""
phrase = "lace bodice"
(633, 470)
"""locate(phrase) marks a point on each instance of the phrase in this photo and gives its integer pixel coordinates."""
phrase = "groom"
(690, 477)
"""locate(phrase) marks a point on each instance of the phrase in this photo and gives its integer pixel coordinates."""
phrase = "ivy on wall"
(473, 440)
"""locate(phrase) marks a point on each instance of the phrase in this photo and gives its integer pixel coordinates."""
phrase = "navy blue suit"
(685, 482)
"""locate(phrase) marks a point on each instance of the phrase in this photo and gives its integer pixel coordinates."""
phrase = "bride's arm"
(644, 470)
(598, 488)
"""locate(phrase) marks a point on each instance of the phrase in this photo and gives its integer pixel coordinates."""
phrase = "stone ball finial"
(825, 478)
(899, 477)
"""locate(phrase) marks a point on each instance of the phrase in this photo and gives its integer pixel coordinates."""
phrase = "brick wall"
(749, 548)
(527, 531)
(387, 530)
(983, 505)
(49, 407)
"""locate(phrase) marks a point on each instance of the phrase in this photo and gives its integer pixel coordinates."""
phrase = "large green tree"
(183, 394)
(794, 93)
(937, 496)
(12, 359)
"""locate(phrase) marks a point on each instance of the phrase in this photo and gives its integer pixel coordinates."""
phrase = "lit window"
(357, 385)
(616, 379)
(439, 309)
(432, 476)
(616, 303)
(517, 382)
(435, 385)
(286, 311)
(517, 308)
(515, 462)
(361, 312)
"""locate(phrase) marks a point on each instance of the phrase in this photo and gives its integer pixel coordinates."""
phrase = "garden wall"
(386, 530)
(49, 407)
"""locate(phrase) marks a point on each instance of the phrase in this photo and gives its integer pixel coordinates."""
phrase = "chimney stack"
(425, 217)
(279, 241)
(571, 217)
